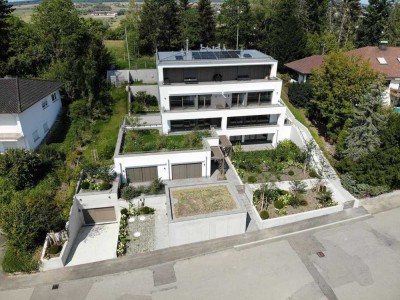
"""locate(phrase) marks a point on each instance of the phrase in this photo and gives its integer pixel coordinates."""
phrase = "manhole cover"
(142, 218)
(131, 220)
(55, 286)
(320, 254)
(137, 234)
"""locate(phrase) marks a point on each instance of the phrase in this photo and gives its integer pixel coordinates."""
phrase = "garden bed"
(286, 162)
(151, 140)
(200, 201)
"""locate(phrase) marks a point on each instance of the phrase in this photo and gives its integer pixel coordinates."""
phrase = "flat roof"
(212, 55)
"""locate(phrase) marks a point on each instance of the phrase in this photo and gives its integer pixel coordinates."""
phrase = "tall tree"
(235, 21)
(158, 25)
(363, 133)
(5, 12)
(286, 39)
(338, 85)
(189, 26)
(316, 15)
(207, 24)
(375, 22)
(131, 23)
(393, 31)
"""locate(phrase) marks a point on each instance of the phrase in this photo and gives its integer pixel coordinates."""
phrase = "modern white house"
(233, 93)
(383, 59)
(28, 109)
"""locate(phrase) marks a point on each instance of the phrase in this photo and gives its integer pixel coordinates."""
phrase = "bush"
(128, 193)
(279, 204)
(124, 211)
(18, 261)
(54, 249)
(313, 173)
(105, 186)
(324, 196)
(252, 179)
(300, 94)
(295, 200)
(106, 151)
(156, 186)
(291, 173)
(264, 215)
(145, 210)
(298, 187)
(85, 185)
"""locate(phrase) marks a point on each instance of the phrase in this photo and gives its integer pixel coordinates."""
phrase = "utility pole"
(237, 30)
(127, 49)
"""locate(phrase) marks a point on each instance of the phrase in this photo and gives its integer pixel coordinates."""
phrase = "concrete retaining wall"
(121, 76)
(202, 229)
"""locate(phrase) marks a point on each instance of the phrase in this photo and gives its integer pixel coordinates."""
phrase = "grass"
(151, 140)
(20, 261)
(117, 49)
(106, 131)
(200, 201)
(299, 114)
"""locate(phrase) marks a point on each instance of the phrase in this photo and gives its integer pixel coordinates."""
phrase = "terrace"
(150, 140)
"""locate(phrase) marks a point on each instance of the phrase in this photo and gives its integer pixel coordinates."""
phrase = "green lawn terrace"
(284, 163)
(150, 140)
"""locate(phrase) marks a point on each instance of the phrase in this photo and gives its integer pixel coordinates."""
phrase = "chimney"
(383, 45)
(187, 46)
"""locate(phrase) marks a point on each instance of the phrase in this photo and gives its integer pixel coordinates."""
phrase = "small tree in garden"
(325, 196)
(308, 149)
(298, 188)
(268, 193)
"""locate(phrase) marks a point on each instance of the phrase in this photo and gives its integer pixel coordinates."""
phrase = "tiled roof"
(305, 65)
(391, 55)
(17, 95)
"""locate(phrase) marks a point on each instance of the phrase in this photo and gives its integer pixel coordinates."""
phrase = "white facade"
(26, 130)
(225, 96)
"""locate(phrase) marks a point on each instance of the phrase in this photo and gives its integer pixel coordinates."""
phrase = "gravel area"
(144, 242)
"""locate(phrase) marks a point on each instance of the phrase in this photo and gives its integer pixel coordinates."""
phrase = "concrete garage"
(183, 171)
(99, 215)
(143, 174)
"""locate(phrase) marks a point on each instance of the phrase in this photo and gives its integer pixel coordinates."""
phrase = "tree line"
(285, 29)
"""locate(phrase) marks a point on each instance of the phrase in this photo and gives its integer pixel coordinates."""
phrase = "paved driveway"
(94, 243)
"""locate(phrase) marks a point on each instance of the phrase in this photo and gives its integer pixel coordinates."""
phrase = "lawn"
(151, 140)
(117, 49)
(106, 131)
(201, 201)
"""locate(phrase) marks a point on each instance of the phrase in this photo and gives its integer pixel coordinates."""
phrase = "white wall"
(163, 161)
(394, 84)
(203, 229)
(145, 75)
(34, 117)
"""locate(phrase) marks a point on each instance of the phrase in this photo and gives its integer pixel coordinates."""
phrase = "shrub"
(104, 186)
(295, 200)
(145, 210)
(128, 193)
(54, 249)
(313, 173)
(324, 196)
(298, 187)
(156, 186)
(19, 261)
(106, 151)
(291, 173)
(85, 185)
(252, 179)
(124, 211)
(279, 204)
(300, 94)
(264, 215)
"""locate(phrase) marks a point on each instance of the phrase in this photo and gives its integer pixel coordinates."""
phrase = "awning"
(10, 136)
(216, 153)
(223, 139)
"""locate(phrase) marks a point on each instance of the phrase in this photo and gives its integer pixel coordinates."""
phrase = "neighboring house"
(382, 59)
(28, 109)
(234, 93)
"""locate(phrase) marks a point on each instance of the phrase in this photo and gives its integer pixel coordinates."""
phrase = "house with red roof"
(383, 59)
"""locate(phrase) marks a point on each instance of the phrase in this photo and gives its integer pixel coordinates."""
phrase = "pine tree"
(5, 12)
(189, 26)
(374, 25)
(158, 26)
(363, 133)
(206, 22)
(316, 15)
(235, 24)
(393, 32)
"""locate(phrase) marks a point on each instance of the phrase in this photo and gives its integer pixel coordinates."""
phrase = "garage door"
(186, 171)
(142, 174)
(99, 215)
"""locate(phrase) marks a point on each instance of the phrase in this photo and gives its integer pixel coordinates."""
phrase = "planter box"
(295, 217)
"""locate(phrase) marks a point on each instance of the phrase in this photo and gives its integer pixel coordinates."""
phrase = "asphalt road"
(360, 260)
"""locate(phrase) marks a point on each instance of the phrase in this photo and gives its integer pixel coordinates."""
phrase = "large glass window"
(238, 99)
(200, 124)
(259, 98)
(248, 121)
(204, 101)
(265, 97)
(175, 102)
(189, 101)
(253, 99)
